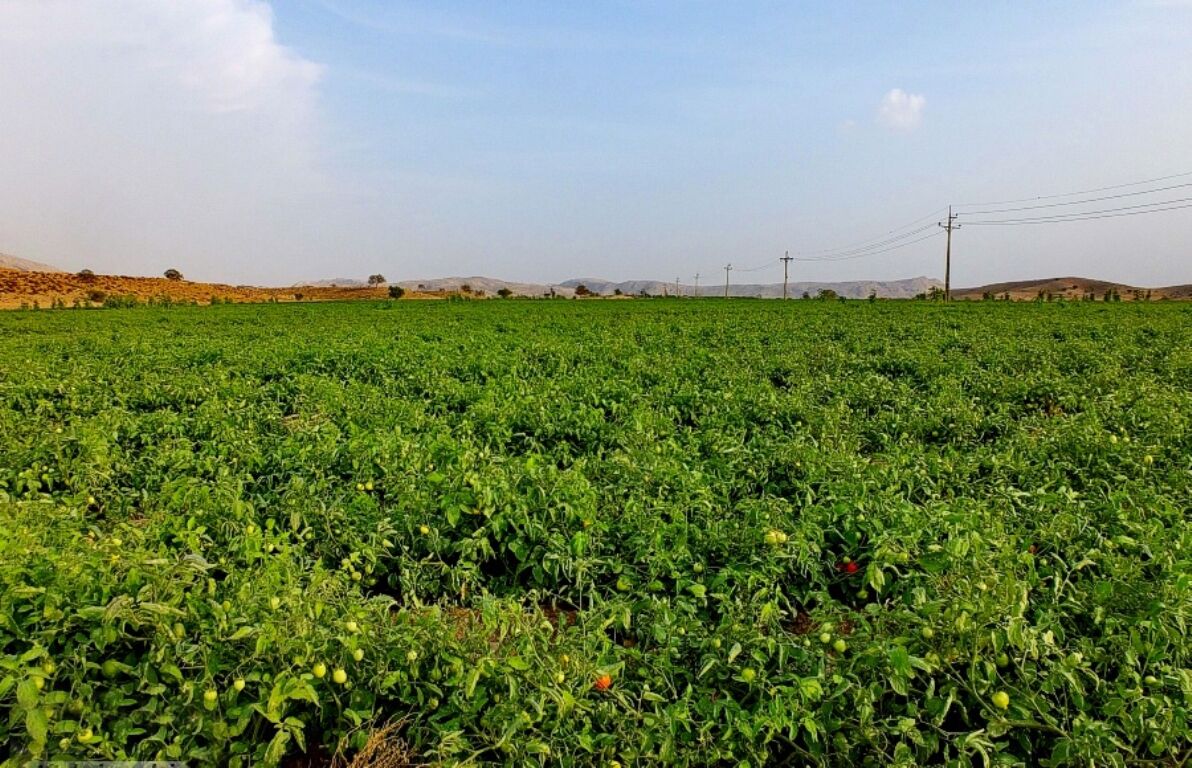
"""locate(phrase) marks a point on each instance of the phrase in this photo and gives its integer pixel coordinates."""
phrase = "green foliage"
(807, 533)
(120, 301)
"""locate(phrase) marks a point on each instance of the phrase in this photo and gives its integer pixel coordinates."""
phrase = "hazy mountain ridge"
(1071, 288)
(854, 289)
(25, 265)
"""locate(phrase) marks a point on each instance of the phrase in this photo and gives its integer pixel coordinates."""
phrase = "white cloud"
(901, 110)
(140, 131)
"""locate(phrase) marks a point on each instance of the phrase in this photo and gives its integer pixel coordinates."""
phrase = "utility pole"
(786, 263)
(951, 225)
(697, 285)
(678, 294)
(727, 268)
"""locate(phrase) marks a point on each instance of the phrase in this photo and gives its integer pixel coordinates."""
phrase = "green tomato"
(1001, 700)
(840, 646)
(748, 674)
(339, 676)
(825, 637)
(238, 684)
(319, 670)
(110, 668)
(358, 654)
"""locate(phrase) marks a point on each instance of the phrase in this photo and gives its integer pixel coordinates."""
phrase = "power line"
(1080, 192)
(1080, 202)
(769, 263)
(1107, 213)
(870, 241)
(937, 233)
(880, 247)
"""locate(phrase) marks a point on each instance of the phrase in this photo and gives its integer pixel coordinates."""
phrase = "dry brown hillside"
(1072, 288)
(24, 288)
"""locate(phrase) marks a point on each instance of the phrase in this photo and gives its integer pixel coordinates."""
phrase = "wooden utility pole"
(951, 225)
(677, 293)
(697, 285)
(786, 263)
(727, 268)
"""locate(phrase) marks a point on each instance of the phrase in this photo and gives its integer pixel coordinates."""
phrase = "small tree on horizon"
(376, 279)
(504, 293)
(173, 274)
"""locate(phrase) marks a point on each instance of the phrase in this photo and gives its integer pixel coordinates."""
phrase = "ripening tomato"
(238, 684)
(424, 529)
(339, 676)
(604, 682)
(319, 669)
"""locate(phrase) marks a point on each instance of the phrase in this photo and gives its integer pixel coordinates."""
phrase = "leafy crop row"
(618, 533)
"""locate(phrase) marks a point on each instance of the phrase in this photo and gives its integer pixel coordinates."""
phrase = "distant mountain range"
(1071, 288)
(345, 287)
(24, 265)
(857, 289)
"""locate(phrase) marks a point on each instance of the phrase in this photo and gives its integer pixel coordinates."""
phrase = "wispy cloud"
(142, 128)
(901, 110)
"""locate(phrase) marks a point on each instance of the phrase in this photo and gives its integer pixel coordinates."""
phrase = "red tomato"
(604, 682)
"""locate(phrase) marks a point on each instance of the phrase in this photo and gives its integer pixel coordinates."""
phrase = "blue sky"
(539, 141)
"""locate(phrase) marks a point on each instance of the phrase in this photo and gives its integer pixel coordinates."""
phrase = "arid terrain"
(21, 286)
(1072, 288)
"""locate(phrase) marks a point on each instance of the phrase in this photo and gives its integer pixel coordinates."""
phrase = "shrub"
(396, 291)
(173, 274)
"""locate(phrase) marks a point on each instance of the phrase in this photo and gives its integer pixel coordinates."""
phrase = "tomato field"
(599, 533)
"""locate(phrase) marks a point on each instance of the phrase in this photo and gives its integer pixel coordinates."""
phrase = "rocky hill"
(1071, 288)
